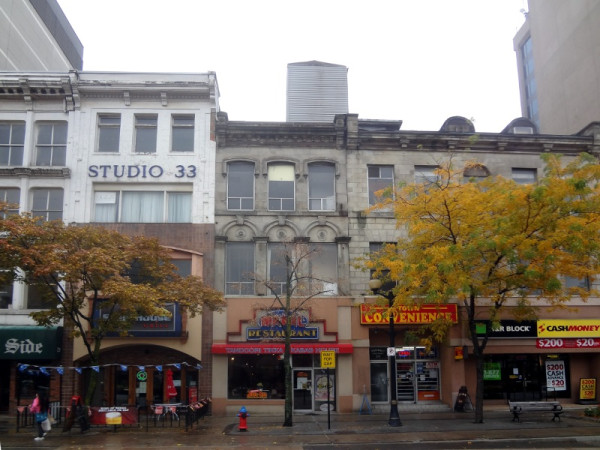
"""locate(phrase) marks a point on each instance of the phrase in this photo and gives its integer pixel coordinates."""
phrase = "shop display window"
(256, 376)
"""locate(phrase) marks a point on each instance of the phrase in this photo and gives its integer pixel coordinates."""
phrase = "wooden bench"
(517, 408)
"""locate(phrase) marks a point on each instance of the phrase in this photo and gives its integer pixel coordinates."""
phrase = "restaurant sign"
(151, 325)
(407, 315)
(271, 324)
(30, 342)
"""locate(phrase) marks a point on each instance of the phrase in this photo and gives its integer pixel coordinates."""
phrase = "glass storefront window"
(255, 376)
(31, 381)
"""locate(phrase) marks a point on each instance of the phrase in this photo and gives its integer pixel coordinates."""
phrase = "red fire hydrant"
(242, 415)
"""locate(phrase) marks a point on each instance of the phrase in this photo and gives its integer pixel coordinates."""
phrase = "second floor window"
(145, 133)
(12, 138)
(51, 145)
(143, 206)
(281, 187)
(240, 186)
(239, 270)
(380, 177)
(109, 130)
(47, 203)
(321, 187)
(10, 195)
(182, 139)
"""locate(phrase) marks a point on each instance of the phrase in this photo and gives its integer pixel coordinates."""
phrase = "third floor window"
(380, 177)
(51, 144)
(182, 139)
(240, 186)
(321, 187)
(12, 138)
(145, 133)
(281, 187)
(109, 130)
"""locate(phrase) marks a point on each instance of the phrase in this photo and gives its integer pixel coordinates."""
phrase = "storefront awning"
(262, 349)
(26, 343)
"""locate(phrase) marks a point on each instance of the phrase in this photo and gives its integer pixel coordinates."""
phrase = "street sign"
(328, 359)
(391, 351)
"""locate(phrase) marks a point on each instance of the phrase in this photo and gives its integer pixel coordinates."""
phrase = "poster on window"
(556, 376)
(321, 388)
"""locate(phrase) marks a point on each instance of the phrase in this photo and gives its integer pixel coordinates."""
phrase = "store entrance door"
(417, 375)
(303, 389)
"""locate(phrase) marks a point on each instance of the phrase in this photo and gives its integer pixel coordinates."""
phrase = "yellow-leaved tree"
(496, 247)
(80, 269)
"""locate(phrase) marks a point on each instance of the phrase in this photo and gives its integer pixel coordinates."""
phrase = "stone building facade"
(312, 183)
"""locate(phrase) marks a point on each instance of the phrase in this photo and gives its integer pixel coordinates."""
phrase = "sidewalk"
(446, 429)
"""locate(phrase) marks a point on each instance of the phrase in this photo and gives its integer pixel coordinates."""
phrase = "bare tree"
(293, 284)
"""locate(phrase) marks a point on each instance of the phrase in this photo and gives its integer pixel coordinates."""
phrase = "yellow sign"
(328, 359)
(587, 389)
(568, 328)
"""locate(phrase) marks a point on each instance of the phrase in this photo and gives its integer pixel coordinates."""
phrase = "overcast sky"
(419, 61)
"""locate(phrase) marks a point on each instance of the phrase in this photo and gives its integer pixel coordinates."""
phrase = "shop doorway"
(303, 389)
(418, 375)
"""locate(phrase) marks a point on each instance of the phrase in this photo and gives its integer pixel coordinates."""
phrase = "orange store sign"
(407, 315)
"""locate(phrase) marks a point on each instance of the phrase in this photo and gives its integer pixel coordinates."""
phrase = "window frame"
(425, 174)
(4, 197)
(177, 128)
(107, 128)
(47, 212)
(517, 174)
(373, 180)
(281, 199)
(145, 131)
(243, 287)
(250, 174)
(167, 199)
(12, 145)
(57, 150)
(321, 198)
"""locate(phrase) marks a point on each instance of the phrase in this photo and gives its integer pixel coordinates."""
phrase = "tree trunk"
(288, 420)
(479, 389)
(91, 387)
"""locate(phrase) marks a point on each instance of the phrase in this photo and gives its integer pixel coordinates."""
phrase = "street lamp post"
(394, 420)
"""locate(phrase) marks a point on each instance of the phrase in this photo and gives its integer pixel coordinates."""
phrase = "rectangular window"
(277, 267)
(182, 139)
(264, 373)
(239, 270)
(143, 206)
(321, 187)
(12, 139)
(109, 131)
(184, 266)
(582, 283)
(47, 204)
(323, 266)
(145, 133)
(524, 176)
(51, 144)
(41, 297)
(281, 187)
(380, 177)
(426, 175)
(240, 186)
(6, 295)
(11, 196)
